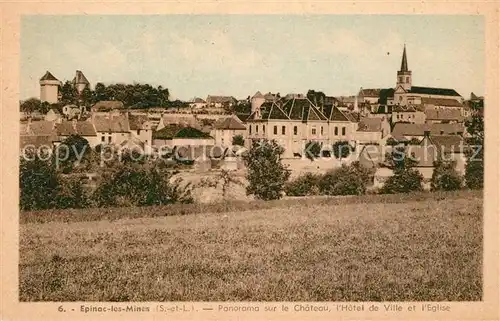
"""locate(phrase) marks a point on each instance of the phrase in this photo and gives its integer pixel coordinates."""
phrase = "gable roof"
(220, 99)
(82, 128)
(137, 121)
(374, 92)
(111, 123)
(48, 76)
(433, 91)
(446, 102)
(447, 143)
(41, 128)
(405, 129)
(36, 141)
(229, 123)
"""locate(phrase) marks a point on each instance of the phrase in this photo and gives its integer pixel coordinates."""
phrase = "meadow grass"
(413, 248)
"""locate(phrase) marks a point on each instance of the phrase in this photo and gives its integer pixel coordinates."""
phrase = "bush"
(38, 183)
(71, 194)
(346, 180)
(131, 185)
(266, 174)
(403, 181)
(445, 177)
(304, 185)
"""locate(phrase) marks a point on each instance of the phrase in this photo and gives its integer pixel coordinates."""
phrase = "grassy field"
(416, 247)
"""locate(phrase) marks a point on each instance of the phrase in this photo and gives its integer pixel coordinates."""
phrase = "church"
(404, 93)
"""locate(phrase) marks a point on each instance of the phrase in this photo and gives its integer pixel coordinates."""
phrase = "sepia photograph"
(251, 158)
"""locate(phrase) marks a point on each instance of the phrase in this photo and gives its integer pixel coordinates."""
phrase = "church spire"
(404, 62)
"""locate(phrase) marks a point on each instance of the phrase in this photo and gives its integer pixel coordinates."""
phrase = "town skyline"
(212, 58)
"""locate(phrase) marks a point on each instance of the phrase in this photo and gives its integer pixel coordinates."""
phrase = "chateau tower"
(80, 82)
(49, 88)
(404, 75)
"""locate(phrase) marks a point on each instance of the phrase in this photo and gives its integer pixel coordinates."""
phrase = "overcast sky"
(197, 55)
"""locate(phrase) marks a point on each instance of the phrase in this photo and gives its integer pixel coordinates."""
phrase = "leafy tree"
(266, 174)
(69, 94)
(86, 97)
(405, 178)
(474, 169)
(312, 150)
(34, 104)
(100, 92)
(238, 140)
(71, 194)
(341, 149)
(38, 183)
(74, 149)
(445, 177)
(392, 142)
(414, 141)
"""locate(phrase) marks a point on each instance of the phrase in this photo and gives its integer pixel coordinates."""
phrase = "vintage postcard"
(221, 160)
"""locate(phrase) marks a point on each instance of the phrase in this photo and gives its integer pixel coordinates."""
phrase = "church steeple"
(404, 62)
(404, 75)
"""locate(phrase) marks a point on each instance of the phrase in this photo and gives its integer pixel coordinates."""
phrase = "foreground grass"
(111, 214)
(415, 250)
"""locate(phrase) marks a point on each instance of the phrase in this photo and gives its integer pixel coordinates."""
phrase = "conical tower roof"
(80, 78)
(48, 76)
(404, 62)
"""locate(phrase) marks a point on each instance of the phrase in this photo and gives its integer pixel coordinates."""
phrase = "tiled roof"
(370, 92)
(137, 121)
(370, 124)
(198, 100)
(48, 76)
(229, 123)
(433, 91)
(332, 113)
(242, 117)
(445, 102)
(80, 78)
(178, 131)
(106, 105)
(447, 143)
(404, 109)
(37, 141)
(444, 114)
(258, 94)
(220, 99)
(41, 128)
(82, 128)
(111, 123)
(405, 129)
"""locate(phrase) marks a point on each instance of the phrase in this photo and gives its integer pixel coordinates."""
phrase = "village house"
(370, 96)
(84, 129)
(436, 116)
(197, 103)
(72, 111)
(107, 105)
(36, 134)
(220, 101)
(177, 135)
(371, 130)
(141, 129)
(293, 122)
(53, 116)
(225, 129)
(408, 113)
(111, 128)
(258, 99)
(409, 131)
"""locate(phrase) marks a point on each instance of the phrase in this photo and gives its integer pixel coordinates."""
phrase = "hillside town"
(371, 121)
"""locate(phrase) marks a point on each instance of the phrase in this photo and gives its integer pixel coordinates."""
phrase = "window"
(256, 129)
(400, 79)
(264, 129)
(313, 131)
(321, 129)
(343, 131)
(102, 139)
(109, 139)
(283, 130)
(407, 80)
(250, 129)
(275, 130)
(336, 131)
(295, 130)
(138, 132)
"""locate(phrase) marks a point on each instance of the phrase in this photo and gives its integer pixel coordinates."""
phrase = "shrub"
(266, 174)
(403, 181)
(341, 149)
(131, 185)
(474, 169)
(304, 185)
(312, 150)
(71, 194)
(445, 177)
(38, 183)
(346, 180)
